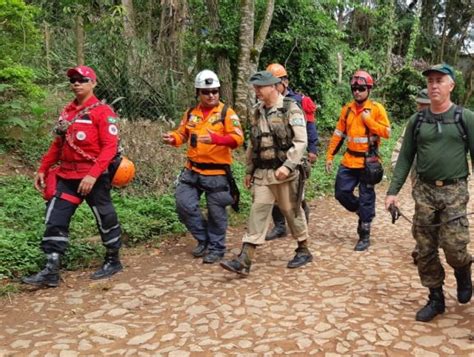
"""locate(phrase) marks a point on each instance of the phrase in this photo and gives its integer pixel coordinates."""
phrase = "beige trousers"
(264, 197)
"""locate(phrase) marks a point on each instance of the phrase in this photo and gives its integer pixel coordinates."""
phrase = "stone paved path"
(168, 304)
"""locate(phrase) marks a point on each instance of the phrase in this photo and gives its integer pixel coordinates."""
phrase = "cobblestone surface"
(167, 303)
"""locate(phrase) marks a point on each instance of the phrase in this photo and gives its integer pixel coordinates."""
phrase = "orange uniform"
(358, 125)
(193, 122)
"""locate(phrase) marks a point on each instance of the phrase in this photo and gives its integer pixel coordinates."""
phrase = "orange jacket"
(193, 123)
(353, 124)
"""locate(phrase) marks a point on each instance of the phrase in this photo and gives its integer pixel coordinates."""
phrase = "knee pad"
(106, 217)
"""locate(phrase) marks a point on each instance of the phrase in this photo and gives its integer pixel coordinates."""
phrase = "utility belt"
(208, 166)
(356, 153)
(234, 190)
(441, 183)
(267, 164)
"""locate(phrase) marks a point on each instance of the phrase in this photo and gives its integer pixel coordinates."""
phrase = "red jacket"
(95, 133)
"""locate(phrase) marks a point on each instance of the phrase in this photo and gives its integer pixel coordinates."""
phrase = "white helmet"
(206, 79)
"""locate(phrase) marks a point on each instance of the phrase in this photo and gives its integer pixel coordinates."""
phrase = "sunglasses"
(81, 80)
(358, 88)
(209, 91)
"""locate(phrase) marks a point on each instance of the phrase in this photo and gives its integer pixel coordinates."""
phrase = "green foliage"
(19, 40)
(22, 226)
(19, 46)
(402, 88)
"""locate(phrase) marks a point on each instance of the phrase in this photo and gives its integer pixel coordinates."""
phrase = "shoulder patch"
(113, 130)
(297, 121)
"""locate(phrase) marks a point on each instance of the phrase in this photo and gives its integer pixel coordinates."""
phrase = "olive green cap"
(264, 78)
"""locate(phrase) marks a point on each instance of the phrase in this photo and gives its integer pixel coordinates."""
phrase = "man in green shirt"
(440, 137)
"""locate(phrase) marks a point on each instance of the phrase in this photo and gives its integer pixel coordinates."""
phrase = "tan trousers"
(264, 197)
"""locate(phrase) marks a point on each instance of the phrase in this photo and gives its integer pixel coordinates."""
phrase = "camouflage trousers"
(434, 205)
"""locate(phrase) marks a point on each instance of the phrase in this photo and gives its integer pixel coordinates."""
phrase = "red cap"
(83, 71)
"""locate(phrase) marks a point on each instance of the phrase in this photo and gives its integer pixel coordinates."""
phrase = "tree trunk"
(443, 38)
(79, 40)
(47, 45)
(249, 53)
(261, 35)
(223, 64)
(390, 37)
(242, 90)
(172, 29)
(130, 36)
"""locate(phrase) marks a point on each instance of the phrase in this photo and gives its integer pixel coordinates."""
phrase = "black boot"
(111, 265)
(49, 276)
(363, 230)
(242, 264)
(199, 250)
(464, 281)
(434, 307)
(302, 257)
(279, 230)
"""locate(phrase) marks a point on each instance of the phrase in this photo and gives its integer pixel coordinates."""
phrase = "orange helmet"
(277, 70)
(362, 78)
(124, 174)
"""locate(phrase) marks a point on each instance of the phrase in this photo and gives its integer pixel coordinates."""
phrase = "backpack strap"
(224, 112)
(458, 120)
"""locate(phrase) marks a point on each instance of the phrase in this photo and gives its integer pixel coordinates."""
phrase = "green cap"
(422, 97)
(264, 78)
(440, 68)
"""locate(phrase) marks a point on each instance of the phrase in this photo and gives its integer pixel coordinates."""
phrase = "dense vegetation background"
(146, 54)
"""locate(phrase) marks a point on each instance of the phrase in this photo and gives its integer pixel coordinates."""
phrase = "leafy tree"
(19, 45)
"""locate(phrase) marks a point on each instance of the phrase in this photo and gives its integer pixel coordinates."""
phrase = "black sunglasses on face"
(81, 80)
(358, 88)
(209, 91)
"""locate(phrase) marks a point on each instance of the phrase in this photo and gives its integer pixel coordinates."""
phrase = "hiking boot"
(212, 257)
(363, 230)
(302, 257)
(199, 250)
(464, 282)
(277, 232)
(242, 264)
(236, 266)
(49, 276)
(110, 266)
(434, 307)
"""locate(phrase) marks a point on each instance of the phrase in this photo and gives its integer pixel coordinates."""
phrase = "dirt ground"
(167, 303)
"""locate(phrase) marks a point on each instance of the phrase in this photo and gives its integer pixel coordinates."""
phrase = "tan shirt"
(294, 154)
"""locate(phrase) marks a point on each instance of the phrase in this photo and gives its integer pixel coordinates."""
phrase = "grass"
(145, 215)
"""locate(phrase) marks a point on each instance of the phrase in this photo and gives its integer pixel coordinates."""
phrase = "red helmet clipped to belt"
(362, 78)
(124, 174)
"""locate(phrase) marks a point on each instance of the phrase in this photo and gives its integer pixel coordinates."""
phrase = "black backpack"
(458, 120)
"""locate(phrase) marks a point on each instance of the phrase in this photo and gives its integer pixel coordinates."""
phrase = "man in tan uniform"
(278, 142)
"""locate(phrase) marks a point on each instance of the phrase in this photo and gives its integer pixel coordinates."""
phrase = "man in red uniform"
(86, 142)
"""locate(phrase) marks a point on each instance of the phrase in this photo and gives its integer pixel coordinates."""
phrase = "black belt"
(441, 183)
(209, 166)
(267, 164)
(356, 153)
